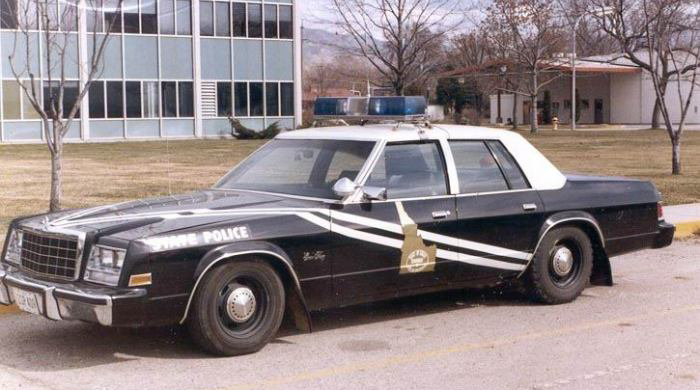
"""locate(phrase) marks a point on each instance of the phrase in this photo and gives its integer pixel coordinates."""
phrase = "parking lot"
(642, 333)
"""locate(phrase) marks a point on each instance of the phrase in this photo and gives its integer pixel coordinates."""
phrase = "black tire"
(547, 280)
(222, 330)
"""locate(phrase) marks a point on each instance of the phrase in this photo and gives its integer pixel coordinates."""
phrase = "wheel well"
(602, 272)
(296, 309)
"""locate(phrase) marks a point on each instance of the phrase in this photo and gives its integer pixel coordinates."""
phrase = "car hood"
(150, 217)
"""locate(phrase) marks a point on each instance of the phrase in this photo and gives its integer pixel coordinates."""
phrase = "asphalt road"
(644, 333)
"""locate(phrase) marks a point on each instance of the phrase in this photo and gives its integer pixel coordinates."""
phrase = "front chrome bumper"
(58, 302)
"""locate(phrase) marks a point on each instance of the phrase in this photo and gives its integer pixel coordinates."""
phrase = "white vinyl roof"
(541, 173)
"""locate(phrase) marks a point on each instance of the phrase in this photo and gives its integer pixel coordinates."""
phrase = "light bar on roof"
(399, 108)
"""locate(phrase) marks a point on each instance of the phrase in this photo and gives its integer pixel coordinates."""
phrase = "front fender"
(271, 252)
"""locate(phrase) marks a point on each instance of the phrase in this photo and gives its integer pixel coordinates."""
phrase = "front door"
(599, 111)
(380, 248)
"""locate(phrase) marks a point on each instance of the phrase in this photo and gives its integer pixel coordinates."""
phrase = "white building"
(611, 93)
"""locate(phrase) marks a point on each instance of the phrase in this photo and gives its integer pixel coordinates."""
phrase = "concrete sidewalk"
(686, 218)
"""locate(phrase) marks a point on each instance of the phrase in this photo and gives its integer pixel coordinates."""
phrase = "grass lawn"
(96, 174)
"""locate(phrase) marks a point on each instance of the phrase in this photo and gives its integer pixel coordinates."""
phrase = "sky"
(311, 10)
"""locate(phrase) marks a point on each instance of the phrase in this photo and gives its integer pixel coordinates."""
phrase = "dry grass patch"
(97, 174)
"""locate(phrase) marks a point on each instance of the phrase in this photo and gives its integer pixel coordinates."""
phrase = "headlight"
(105, 265)
(14, 247)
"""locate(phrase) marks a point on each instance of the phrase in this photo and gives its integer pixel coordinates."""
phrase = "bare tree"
(528, 34)
(663, 38)
(53, 26)
(398, 37)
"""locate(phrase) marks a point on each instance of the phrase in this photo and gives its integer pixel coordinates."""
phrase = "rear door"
(498, 213)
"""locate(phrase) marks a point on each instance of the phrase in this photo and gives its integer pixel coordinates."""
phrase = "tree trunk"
(56, 174)
(533, 115)
(676, 163)
(655, 123)
(515, 111)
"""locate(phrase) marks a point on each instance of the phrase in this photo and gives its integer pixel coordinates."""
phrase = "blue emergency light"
(398, 108)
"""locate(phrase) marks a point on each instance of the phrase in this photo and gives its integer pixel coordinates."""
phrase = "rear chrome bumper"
(57, 301)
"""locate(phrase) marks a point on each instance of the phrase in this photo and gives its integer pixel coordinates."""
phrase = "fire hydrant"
(555, 123)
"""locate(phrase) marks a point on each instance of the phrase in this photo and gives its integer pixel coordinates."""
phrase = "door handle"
(441, 214)
(529, 207)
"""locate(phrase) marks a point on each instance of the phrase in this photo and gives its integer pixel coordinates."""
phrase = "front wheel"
(238, 308)
(561, 267)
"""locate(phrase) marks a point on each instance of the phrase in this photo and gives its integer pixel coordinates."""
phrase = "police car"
(329, 217)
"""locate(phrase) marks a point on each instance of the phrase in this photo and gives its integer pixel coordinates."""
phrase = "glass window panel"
(97, 99)
(28, 14)
(515, 176)
(239, 24)
(28, 110)
(151, 99)
(51, 15)
(8, 14)
(69, 16)
(223, 99)
(410, 170)
(223, 22)
(113, 15)
(149, 17)
(115, 99)
(256, 99)
(241, 99)
(169, 93)
(186, 99)
(270, 21)
(131, 16)
(477, 170)
(167, 16)
(133, 99)
(94, 19)
(272, 105)
(70, 95)
(10, 100)
(50, 95)
(254, 20)
(287, 99)
(184, 17)
(206, 18)
(286, 22)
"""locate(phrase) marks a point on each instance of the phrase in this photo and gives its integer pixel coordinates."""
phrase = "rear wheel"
(238, 308)
(561, 267)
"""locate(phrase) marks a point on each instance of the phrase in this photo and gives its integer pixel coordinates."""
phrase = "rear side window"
(515, 176)
(410, 170)
(477, 169)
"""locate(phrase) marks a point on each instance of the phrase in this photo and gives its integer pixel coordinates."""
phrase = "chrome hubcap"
(563, 261)
(241, 304)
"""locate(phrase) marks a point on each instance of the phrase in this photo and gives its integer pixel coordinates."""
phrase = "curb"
(687, 229)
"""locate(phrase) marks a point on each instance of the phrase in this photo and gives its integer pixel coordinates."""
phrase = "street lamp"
(503, 70)
(601, 12)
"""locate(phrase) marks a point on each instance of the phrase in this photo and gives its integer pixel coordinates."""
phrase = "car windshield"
(299, 167)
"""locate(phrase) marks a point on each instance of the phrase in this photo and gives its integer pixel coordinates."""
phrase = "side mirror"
(344, 187)
(374, 193)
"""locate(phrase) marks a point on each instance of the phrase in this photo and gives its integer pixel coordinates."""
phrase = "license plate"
(26, 301)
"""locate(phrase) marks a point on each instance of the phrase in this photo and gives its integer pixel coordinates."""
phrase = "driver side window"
(410, 171)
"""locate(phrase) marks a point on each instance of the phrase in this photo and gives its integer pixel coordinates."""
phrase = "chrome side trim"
(229, 255)
(552, 224)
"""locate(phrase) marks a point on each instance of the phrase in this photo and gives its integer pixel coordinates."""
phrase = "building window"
(241, 99)
(206, 18)
(254, 21)
(94, 19)
(272, 105)
(8, 14)
(11, 100)
(133, 99)
(256, 99)
(184, 17)
(223, 22)
(286, 22)
(239, 20)
(287, 99)
(113, 16)
(69, 15)
(270, 21)
(27, 109)
(167, 16)
(131, 17)
(97, 99)
(151, 100)
(169, 93)
(185, 99)
(70, 96)
(223, 99)
(115, 99)
(149, 17)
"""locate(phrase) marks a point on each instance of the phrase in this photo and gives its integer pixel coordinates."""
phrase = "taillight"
(660, 210)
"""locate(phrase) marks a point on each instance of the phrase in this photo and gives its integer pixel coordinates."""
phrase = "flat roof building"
(171, 68)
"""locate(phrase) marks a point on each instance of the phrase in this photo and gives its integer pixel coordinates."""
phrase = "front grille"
(51, 255)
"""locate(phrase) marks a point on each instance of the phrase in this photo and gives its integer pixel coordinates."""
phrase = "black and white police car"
(331, 217)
